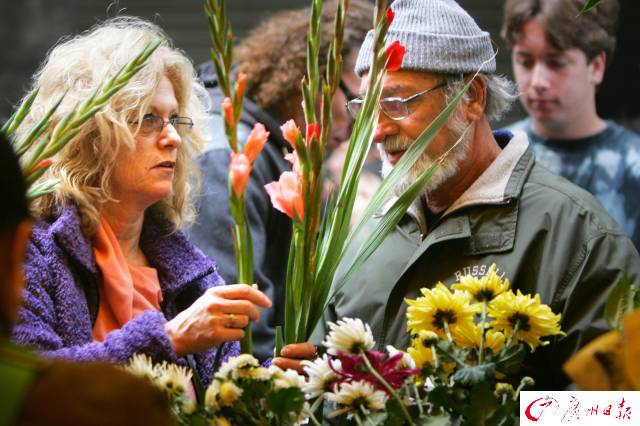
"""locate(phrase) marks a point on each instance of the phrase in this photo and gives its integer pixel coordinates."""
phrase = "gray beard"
(448, 169)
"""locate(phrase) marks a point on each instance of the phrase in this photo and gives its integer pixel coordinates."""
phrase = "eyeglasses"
(394, 108)
(152, 125)
(345, 89)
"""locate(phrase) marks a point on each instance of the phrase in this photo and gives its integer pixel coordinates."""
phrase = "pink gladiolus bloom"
(390, 16)
(290, 132)
(255, 142)
(240, 85)
(395, 54)
(239, 170)
(227, 109)
(286, 195)
(313, 129)
(293, 158)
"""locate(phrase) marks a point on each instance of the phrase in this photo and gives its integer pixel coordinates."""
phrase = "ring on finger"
(232, 321)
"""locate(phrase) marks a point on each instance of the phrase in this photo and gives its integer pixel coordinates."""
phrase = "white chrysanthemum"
(187, 405)
(289, 379)
(174, 378)
(141, 365)
(211, 396)
(320, 375)
(357, 395)
(229, 393)
(406, 363)
(258, 373)
(349, 336)
(228, 369)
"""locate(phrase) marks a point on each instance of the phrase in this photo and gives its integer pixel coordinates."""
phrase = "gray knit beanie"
(440, 37)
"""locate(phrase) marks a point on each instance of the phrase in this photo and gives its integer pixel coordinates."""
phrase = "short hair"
(274, 74)
(501, 93)
(12, 188)
(592, 32)
(85, 166)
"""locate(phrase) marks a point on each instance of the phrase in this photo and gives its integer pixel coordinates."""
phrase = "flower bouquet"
(241, 393)
(462, 366)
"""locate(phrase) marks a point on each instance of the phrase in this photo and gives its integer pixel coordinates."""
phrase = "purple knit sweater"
(61, 297)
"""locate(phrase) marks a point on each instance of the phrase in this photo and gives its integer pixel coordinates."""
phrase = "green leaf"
(482, 404)
(590, 4)
(511, 361)
(439, 420)
(474, 374)
(285, 401)
(622, 299)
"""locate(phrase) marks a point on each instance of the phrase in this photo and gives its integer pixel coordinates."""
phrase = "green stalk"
(387, 386)
(483, 322)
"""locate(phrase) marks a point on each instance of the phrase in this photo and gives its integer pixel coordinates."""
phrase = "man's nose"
(385, 127)
(540, 77)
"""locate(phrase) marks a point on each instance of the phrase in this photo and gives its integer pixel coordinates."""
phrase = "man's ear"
(476, 99)
(597, 66)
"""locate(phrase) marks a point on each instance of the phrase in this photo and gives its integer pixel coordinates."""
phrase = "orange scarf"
(126, 291)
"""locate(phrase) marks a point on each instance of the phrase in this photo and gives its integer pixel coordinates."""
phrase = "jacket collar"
(177, 260)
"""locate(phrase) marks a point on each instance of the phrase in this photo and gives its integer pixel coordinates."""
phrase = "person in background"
(108, 272)
(273, 57)
(488, 203)
(34, 391)
(559, 58)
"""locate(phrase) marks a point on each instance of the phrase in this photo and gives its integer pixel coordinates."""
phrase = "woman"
(108, 274)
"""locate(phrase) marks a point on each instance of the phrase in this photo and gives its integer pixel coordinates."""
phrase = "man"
(489, 202)
(559, 59)
(273, 57)
(38, 392)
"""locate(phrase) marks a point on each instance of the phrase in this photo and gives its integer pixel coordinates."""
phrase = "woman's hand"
(219, 315)
(294, 354)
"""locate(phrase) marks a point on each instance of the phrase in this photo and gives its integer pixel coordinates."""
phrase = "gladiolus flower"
(255, 142)
(241, 83)
(227, 108)
(390, 16)
(239, 170)
(290, 132)
(41, 165)
(286, 195)
(313, 129)
(395, 54)
(293, 158)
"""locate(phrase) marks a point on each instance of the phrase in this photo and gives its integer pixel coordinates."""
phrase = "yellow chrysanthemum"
(485, 288)
(534, 319)
(421, 353)
(440, 305)
(470, 338)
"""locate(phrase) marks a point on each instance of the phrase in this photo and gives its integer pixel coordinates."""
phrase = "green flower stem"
(434, 354)
(387, 386)
(357, 418)
(418, 399)
(511, 337)
(447, 331)
(483, 323)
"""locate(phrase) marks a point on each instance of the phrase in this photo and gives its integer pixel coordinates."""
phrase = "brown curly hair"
(273, 55)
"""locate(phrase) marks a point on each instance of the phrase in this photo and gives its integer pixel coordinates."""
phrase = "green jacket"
(545, 234)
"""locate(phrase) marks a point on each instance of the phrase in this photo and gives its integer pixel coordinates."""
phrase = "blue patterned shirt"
(606, 164)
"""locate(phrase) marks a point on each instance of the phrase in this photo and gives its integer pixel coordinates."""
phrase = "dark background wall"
(29, 28)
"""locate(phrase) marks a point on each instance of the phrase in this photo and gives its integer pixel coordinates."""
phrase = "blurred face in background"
(557, 87)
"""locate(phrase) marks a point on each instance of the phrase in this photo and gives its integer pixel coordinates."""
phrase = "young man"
(488, 203)
(38, 392)
(559, 59)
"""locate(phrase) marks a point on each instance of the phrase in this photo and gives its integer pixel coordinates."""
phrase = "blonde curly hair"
(77, 66)
(274, 54)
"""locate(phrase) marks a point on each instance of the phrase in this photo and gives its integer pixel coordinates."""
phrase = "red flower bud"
(255, 142)
(42, 164)
(227, 109)
(390, 16)
(239, 170)
(313, 129)
(240, 85)
(395, 54)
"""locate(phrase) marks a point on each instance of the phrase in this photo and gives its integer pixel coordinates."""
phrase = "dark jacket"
(62, 289)
(544, 233)
(270, 229)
